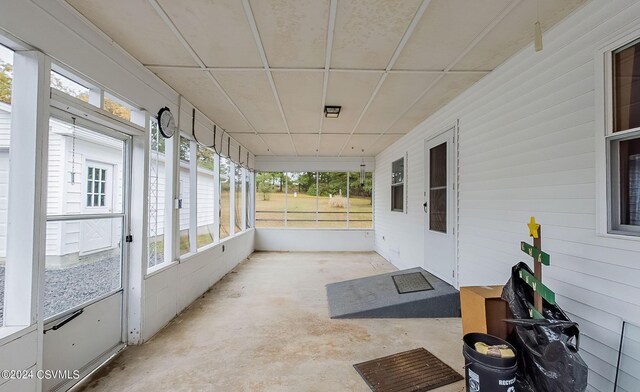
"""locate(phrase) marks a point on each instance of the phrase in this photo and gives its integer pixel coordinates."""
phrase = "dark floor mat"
(410, 371)
(411, 283)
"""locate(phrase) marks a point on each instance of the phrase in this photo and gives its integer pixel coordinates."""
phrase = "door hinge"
(128, 238)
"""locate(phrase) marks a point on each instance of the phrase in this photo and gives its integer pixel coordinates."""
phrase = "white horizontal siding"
(526, 146)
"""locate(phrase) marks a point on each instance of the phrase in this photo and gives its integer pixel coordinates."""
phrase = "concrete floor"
(265, 327)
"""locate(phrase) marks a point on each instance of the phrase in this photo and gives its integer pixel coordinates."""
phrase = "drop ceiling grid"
(201, 93)
(200, 20)
(288, 42)
(306, 144)
(251, 91)
(140, 31)
(293, 33)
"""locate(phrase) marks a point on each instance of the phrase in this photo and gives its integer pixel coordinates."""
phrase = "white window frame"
(607, 184)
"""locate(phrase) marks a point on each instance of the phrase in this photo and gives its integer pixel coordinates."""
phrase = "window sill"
(156, 269)
(314, 228)
(188, 256)
(621, 235)
(8, 334)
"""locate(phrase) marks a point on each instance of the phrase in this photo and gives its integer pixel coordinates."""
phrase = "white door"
(99, 185)
(83, 296)
(439, 207)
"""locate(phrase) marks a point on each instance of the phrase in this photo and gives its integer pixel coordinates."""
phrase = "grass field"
(301, 211)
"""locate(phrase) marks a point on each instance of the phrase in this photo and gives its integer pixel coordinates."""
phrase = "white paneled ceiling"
(263, 69)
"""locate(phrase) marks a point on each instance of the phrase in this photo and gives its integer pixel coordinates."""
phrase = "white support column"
(245, 175)
(193, 197)
(173, 176)
(286, 199)
(171, 194)
(232, 197)
(138, 249)
(27, 189)
(216, 198)
(348, 197)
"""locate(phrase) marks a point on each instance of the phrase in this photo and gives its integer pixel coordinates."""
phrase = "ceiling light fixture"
(332, 111)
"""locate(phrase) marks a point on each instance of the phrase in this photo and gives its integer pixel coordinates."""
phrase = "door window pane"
(184, 192)
(238, 198)
(332, 200)
(270, 188)
(85, 176)
(83, 262)
(626, 85)
(6, 79)
(301, 199)
(360, 201)
(438, 188)
(205, 202)
(225, 197)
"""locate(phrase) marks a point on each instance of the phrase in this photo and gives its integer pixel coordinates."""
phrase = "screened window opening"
(184, 195)
(330, 200)
(157, 196)
(6, 82)
(225, 197)
(205, 203)
(238, 205)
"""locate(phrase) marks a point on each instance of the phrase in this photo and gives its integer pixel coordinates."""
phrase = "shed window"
(397, 185)
(624, 141)
(96, 183)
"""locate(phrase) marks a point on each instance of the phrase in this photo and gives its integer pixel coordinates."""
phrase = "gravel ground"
(71, 286)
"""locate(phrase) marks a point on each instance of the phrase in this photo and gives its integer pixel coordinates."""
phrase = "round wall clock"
(166, 122)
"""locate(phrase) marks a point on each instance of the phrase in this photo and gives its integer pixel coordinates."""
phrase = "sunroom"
(319, 195)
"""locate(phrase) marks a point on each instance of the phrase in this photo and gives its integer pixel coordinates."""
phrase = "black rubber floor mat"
(411, 283)
(410, 371)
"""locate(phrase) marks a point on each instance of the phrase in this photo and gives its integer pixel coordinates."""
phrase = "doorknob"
(425, 206)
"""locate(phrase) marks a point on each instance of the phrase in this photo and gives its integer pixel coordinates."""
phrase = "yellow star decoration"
(533, 228)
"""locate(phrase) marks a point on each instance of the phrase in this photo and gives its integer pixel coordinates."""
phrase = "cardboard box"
(484, 311)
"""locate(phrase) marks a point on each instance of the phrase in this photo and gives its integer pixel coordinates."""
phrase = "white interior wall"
(527, 147)
(171, 290)
(311, 240)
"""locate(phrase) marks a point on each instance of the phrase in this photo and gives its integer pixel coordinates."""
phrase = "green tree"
(6, 77)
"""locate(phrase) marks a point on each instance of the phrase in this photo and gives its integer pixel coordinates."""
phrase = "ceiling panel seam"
(114, 44)
(327, 65)
(293, 69)
(263, 56)
(453, 63)
(176, 32)
(403, 41)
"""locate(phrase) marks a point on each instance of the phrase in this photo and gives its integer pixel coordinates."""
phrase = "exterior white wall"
(169, 291)
(527, 147)
(310, 240)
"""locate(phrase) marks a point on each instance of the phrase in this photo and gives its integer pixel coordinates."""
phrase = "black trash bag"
(548, 358)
